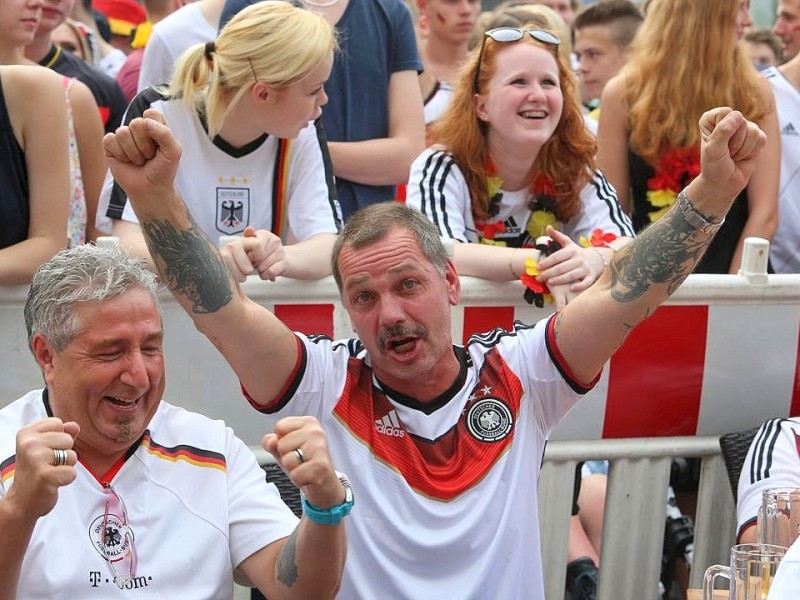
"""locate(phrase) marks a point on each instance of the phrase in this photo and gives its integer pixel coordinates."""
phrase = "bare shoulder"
(21, 79)
(88, 124)
(766, 96)
(34, 96)
(791, 70)
(614, 93)
(81, 96)
(31, 89)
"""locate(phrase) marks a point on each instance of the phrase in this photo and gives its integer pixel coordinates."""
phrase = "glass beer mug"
(750, 573)
(779, 516)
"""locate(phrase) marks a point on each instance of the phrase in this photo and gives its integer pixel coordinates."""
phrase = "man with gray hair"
(197, 510)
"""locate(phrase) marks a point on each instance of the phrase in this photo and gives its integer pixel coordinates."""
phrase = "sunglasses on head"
(512, 34)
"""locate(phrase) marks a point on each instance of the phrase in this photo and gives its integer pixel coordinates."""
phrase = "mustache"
(396, 331)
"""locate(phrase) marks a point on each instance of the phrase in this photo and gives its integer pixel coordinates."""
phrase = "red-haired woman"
(513, 161)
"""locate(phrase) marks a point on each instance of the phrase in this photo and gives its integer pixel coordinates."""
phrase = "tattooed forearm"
(663, 254)
(286, 565)
(189, 265)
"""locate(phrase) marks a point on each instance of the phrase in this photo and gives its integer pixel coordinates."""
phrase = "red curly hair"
(567, 159)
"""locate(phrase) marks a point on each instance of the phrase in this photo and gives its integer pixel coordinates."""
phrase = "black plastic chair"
(290, 494)
(734, 450)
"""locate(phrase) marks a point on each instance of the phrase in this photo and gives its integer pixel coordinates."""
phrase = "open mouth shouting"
(401, 340)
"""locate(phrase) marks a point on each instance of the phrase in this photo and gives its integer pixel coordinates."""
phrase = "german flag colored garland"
(538, 293)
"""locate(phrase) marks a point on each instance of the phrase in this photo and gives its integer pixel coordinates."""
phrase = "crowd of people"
(351, 137)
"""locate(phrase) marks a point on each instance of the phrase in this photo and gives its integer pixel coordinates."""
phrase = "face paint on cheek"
(440, 18)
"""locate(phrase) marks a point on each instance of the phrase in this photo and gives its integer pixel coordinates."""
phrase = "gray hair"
(80, 274)
(374, 222)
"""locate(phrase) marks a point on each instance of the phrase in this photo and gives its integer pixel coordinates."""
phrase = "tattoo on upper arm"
(627, 328)
(287, 567)
(663, 254)
(189, 265)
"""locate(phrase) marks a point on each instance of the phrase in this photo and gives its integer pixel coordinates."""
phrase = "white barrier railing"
(721, 356)
(635, 511)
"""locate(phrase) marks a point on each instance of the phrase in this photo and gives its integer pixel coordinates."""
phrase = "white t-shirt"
(112, 62)
(226, 189)
(170, 38)
(446, 502)
(786, 585)
(197, 505)
(773, 461)
(785, 246)
(437, 102)
(437, 188)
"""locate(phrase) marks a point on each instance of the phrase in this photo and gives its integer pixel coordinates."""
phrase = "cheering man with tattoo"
(107, 491)
(443, 442)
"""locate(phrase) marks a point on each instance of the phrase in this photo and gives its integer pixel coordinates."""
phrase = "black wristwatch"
(334, 514)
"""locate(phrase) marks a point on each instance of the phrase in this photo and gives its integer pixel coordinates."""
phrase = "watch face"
(348, 487)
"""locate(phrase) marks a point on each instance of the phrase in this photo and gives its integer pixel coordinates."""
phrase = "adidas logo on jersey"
(390, 425)
(789, 130)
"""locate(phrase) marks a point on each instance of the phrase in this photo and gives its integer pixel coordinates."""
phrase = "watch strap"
(694, 217)
(334, 514)
(326, 516)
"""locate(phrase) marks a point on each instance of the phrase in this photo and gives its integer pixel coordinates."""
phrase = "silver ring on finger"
(301, 458)
(59, 457)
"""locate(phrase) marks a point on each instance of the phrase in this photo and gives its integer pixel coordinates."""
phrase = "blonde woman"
(242, 107)
(684, 60)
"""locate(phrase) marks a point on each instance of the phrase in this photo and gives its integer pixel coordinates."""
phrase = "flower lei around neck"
(676, 169)
(542, 205)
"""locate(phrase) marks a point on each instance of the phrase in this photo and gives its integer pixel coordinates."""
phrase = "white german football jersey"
(445, 492)
(437, 188)
(785, 247)
(197, 505)
(773, 461)
(283, 186)
(787, 580)
(437, 102)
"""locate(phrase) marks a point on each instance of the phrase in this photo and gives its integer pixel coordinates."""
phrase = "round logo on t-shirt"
(489, 420)
(115, 545)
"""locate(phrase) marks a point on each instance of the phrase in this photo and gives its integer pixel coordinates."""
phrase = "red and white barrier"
(722, 355)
